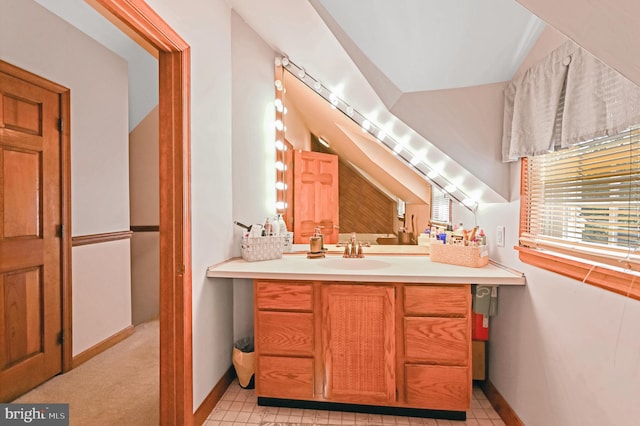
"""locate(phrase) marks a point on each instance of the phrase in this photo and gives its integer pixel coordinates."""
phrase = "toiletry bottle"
(482, 238)
(275, 227)
(267, 228)
(283, 225)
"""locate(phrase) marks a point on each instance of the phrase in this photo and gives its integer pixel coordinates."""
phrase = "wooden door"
(30, 249)
(315, 200)
(358, 343)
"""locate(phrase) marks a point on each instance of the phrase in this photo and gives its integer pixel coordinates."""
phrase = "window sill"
(616, 280)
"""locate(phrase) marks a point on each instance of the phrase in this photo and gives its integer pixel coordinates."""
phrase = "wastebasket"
(244, 362)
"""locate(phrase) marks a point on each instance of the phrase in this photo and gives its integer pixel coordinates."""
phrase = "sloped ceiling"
(608, 29)
(424, 45)
(430, 74)
(441, 68)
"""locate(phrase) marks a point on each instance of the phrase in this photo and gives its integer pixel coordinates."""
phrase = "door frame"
(149, 30)
(64, 96)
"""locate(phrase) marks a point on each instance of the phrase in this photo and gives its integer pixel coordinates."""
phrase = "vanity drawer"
(437, 340)
(284, 296)
(444, 300)
(438, 387)
(285, 377)
(286, 333)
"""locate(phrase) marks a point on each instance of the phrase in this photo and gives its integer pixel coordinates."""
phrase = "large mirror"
(342, 178)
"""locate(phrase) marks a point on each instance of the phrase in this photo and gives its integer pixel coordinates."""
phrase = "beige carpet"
(118, 387)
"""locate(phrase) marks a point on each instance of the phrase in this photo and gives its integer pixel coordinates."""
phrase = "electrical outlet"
(500, 236)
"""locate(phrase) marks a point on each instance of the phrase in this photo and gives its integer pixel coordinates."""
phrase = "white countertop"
(373, 268)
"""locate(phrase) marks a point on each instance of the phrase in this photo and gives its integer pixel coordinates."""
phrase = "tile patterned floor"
(238, 407)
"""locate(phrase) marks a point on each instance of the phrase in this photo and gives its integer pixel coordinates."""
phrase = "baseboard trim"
(200, 416)
(500, 404)
(100, 347)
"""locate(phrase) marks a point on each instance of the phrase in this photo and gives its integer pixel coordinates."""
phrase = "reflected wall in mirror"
(370, 178)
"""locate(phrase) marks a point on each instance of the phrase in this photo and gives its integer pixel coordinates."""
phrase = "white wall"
(143, 68)
(101, 279)
(206, 26)
(561, 352)
(34, 39)
(253, 149)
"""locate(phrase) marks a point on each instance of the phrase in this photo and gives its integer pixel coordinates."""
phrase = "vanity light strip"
(396, 148)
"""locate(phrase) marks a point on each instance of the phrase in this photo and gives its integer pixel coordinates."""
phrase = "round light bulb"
(318, 86)
(450, 188)
(285, 61)
(279, 125)
(350, 111)
(432, 174)
(381, 135)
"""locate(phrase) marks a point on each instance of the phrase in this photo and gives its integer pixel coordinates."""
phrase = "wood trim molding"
(176, 361)
(145, 228)
(83, 240)
(67, 312)
(65, 170)
(500, 404)
(102, 346)
(210, 401)
(617, 281)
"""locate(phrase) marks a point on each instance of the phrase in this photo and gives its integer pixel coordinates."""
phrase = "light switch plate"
(500, 236)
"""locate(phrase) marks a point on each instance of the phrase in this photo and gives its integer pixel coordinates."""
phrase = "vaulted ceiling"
(431, 73)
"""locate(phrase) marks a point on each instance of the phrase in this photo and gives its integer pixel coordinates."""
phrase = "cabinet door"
(359, 343)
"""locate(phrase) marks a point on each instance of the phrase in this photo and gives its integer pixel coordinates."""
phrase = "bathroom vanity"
(381, 334)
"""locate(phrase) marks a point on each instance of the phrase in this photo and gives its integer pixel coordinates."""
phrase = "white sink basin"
(355, 263)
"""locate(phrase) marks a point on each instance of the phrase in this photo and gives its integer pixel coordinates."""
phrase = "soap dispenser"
(315, 243)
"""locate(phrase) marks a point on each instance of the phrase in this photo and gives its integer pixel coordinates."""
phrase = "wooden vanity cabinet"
(378, 344)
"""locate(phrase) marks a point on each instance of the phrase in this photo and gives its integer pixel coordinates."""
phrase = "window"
(583, 204)
(440, 207)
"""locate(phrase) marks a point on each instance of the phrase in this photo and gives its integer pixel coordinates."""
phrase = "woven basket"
(262, 248)
(454, 254)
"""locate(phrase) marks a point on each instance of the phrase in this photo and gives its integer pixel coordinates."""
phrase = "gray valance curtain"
(568, 97)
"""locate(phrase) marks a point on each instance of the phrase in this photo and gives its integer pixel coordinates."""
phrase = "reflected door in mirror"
(315, 196)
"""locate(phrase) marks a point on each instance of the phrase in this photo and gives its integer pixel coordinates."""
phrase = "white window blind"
(585, 200)
(440, 207)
